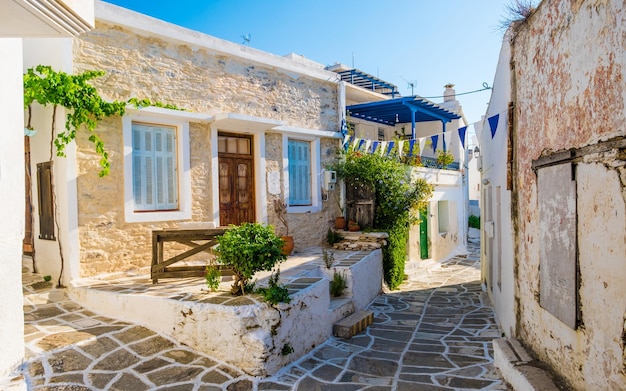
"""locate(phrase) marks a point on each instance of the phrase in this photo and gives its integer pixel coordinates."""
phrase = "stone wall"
(569, 92)
(199, 80)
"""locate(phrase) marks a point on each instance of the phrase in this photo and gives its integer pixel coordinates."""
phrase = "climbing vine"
(85, 106)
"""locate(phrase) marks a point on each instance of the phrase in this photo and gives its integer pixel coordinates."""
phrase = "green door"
(424, 236)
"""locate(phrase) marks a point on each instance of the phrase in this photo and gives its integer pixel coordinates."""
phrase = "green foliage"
(474, 221)
(338, 284)
(398, 195)
(333, 236)
(275, 292)
(47, 278)
(73, 92)
(395, 254)
(139, 103)
(247, 249)
(444, 159)
(213, 277)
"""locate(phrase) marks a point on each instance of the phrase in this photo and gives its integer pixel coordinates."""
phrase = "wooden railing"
(198, 240)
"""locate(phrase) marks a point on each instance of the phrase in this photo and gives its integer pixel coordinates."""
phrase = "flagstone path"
(433, 334)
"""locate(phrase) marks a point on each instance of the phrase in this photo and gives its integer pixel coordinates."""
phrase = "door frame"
(250, 158)
(258, 158)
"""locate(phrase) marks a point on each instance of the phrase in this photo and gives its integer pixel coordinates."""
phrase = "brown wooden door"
(236, 183)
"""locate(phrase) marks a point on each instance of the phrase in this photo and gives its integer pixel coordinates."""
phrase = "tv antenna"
(246, 39)
(410, 84)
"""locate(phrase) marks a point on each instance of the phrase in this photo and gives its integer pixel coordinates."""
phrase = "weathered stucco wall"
(568, 87)
(143, 65)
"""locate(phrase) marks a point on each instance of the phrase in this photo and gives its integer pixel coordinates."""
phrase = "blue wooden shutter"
(155, 184)
(299, 173)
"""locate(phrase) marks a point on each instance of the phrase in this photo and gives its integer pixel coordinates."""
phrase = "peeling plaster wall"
(569, 92)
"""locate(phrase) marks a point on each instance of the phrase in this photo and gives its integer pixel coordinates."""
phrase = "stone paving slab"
(434, 333)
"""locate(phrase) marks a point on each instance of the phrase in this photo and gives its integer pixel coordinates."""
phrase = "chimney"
(449, 95)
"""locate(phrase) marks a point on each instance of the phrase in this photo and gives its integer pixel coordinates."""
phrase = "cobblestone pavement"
(433, 334)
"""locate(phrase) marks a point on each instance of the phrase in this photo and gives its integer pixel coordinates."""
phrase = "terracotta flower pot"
(288, 245)
(353, 226)
(340, 222)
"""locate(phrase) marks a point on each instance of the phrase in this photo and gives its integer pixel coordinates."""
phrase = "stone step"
(353, 324)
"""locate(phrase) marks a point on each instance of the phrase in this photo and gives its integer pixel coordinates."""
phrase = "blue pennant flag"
(351, 140)
(411, 145)
(462, 135)
(493, 124)
(374, 146)
(434, 139)
(390, 147)
(361, 143)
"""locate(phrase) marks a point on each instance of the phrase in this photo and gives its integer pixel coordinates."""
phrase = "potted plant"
(247, 249)
(353, 226)
(444, 159)
(281, 212)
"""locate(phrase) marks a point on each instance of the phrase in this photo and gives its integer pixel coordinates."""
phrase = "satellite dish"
(246, 39)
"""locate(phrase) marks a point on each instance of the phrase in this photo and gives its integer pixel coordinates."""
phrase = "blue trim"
(408, 109)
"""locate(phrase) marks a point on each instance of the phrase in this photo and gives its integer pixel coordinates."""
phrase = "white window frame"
(181, 127)
(316, 172)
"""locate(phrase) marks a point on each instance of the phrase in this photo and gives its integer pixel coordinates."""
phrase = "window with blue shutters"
(155, 185)
(299, 173)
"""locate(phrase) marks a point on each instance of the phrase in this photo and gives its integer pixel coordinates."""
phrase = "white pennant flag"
(367, 146)
(355, 143)
(478, 129)
(400, 147)
(422, 142)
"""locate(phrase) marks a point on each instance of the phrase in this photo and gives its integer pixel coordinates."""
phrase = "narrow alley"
(434, 333)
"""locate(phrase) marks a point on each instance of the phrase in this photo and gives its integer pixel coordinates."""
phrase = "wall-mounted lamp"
(486, 181)
(476, 152)
(397, 119)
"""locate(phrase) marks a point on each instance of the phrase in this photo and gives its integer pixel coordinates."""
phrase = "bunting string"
(433, 142)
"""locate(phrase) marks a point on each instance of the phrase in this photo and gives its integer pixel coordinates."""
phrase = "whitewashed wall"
(497, 257)
(11, 205)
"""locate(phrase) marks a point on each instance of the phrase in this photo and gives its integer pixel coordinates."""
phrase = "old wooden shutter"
(46, 204)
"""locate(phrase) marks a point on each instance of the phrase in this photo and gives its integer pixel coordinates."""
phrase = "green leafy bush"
(338, 284)
(444, 159)
(247, 249)
(397, 197)
(333, 236)
(213, 277)
(474, 221)
(275, 292)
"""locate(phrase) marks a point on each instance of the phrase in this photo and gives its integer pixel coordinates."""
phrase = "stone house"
(557, 277)
(19, 20)
(256, 127)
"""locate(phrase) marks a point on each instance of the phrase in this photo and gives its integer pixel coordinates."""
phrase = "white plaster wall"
(56, 52)
(11, 205)
(493, 156)
(448, 186)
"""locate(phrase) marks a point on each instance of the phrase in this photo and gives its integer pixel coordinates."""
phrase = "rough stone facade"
(568, 89)
(194, 78)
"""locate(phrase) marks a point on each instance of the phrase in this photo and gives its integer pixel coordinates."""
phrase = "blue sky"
(428, 43)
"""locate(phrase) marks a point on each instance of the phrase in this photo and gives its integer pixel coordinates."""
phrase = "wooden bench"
(199, 240)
